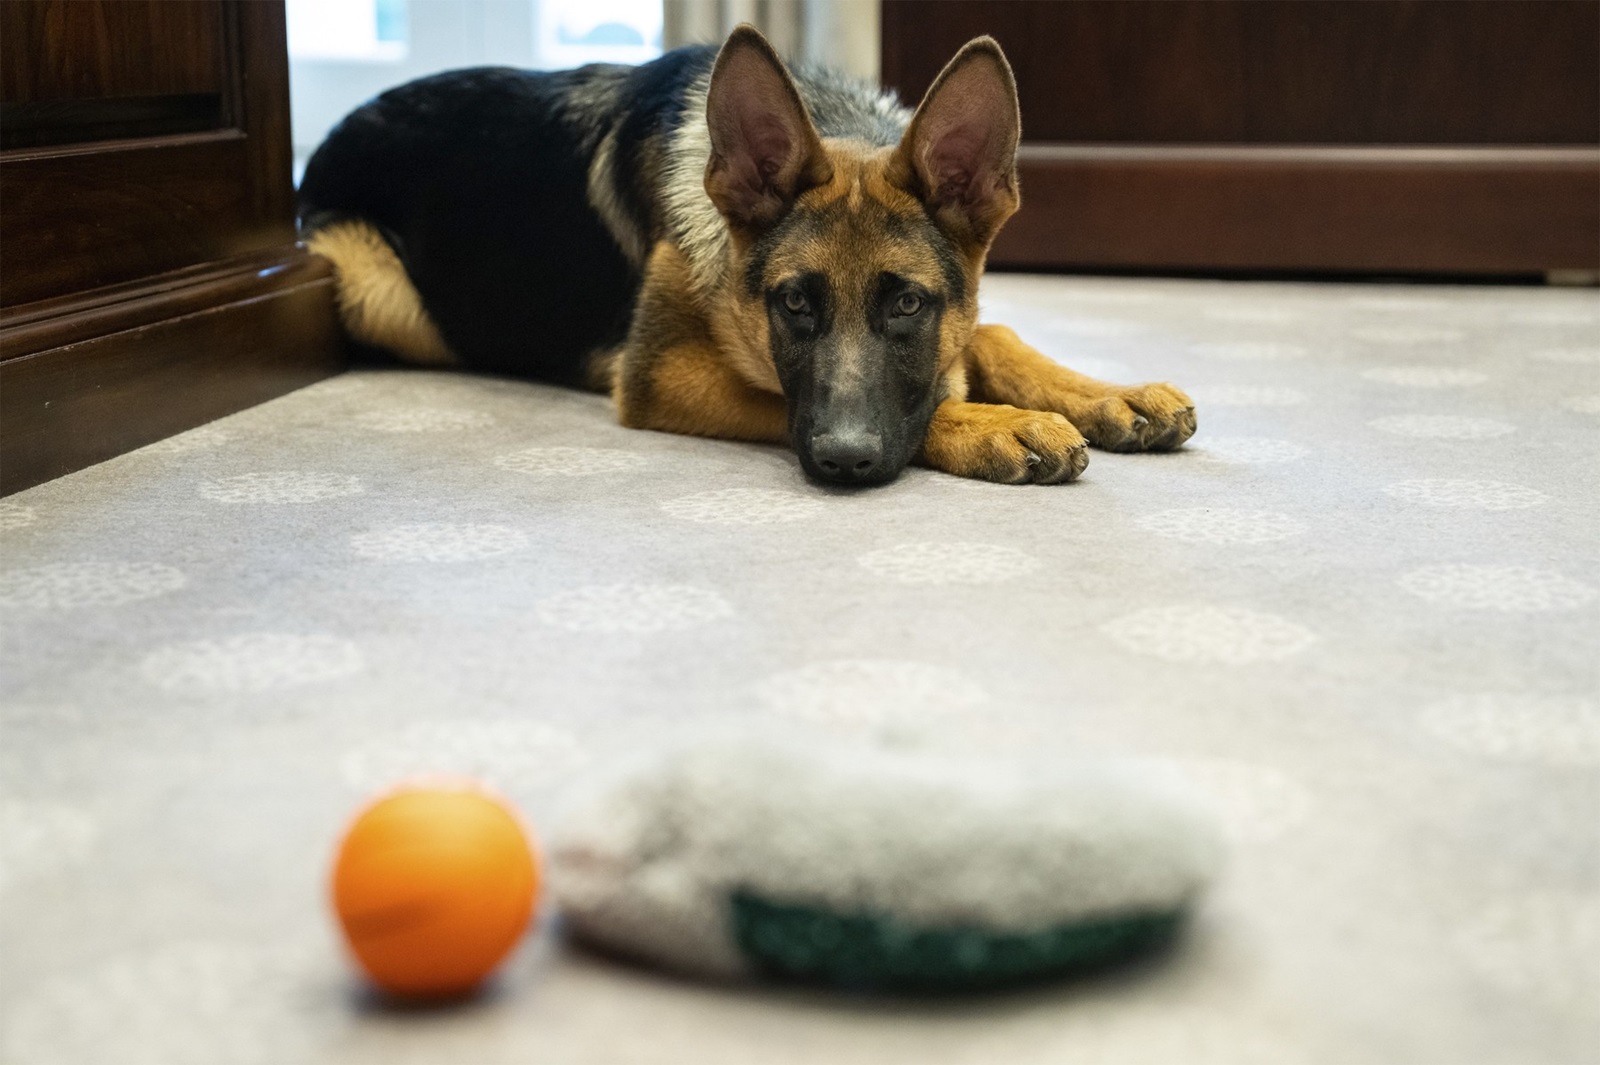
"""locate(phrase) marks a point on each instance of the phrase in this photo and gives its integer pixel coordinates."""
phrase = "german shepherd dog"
(731, 249)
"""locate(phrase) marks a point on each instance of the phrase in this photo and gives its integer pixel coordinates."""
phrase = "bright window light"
(574, 32)
(348, 29)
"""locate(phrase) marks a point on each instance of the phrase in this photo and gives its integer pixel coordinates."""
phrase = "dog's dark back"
(522, 204)
(479, 180)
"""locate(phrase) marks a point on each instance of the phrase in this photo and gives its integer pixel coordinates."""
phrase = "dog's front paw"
(1140, 418)
(991, 442)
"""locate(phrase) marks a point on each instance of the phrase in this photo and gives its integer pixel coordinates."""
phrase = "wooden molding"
(1452, 210)
(1456, 157)
(85, 379)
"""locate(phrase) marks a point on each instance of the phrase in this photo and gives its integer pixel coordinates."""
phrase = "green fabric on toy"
(878, 869)
(878, 950)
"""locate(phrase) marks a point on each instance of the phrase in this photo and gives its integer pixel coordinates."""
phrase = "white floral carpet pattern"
(1360, 612)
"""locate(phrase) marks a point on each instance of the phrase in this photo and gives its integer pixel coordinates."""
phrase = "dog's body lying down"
(729, 249)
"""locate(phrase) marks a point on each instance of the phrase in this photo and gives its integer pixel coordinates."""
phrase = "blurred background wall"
(842, 33)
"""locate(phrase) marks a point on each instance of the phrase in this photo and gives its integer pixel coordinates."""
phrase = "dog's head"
(858, 265)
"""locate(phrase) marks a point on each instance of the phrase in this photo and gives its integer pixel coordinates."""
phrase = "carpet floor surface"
(1360, 612)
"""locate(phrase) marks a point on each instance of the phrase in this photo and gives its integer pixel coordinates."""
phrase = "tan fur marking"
(673, 376)
(856, 249)
(741, 331)
(692, 391)
(955, 381)
(860, 171)
(955, 335)
(735, 324)
(1003, 369)
(377, 302)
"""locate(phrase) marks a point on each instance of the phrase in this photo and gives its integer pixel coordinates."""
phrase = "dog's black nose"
(847, 454)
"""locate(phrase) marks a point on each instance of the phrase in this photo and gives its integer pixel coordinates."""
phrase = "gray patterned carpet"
(1360, 612)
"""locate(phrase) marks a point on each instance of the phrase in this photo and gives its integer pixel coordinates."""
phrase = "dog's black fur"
(479, 182)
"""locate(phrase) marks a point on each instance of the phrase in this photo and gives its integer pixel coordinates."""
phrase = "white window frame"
(441, 35)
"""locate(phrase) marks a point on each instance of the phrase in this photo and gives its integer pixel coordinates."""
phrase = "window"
(344, 52)
(574, 32)
(347, 29)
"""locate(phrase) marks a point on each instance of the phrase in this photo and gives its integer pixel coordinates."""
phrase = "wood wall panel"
(1275, 71)
(84, 50)
(1388, 136)
(1420, 211)
(139, 207)
(82, 215)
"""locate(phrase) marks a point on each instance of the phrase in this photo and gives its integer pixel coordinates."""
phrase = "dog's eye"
(908, 305)
(795, 303)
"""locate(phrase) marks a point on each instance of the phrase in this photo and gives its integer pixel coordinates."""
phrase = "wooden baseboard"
(1469, 211)
(86, 378)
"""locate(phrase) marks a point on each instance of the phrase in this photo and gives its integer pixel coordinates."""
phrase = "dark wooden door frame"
(150, 280)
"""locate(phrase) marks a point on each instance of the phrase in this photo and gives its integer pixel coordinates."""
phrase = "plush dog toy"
(877, 868)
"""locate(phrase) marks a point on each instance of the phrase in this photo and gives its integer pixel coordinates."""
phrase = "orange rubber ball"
(434, 885)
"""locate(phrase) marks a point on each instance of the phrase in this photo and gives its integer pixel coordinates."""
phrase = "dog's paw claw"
(1143, 418)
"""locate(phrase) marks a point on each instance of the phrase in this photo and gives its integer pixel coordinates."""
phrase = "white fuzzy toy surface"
(653, 865)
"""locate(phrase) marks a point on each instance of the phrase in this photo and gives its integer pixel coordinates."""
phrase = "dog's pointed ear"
(764, 149)
(959, 154)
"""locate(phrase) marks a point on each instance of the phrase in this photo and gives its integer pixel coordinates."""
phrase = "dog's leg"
(994, 442)
(670, 376)
(1002, 369)
(688, 388)
(377, 301)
